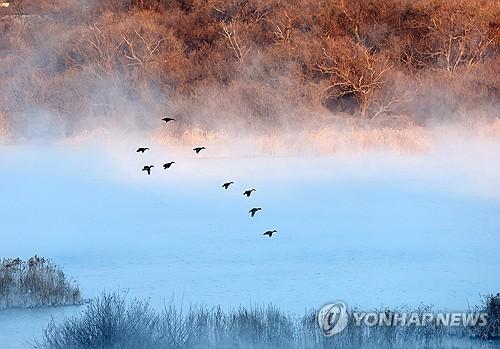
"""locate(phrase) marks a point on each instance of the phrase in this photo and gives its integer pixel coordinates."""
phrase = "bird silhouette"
(167, 120)
(226, 185)
(248, 192)
(141, 150)
(270, 233)
(148, 169)
(254, 210)
(168, 164)
(198, 149)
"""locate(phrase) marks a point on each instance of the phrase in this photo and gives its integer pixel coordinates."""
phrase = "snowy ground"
(372, 230)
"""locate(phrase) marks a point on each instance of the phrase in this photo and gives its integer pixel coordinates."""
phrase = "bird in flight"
(254, 210)
(141, 150)
(270, 233)
(148, 169)
(198, 149)
(167, 120)
(248, 192)
(226, 185)
(168, 164)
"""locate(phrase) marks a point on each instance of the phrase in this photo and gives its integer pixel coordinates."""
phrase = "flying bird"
(167, 120)
(148, 169)
(270, 233)
(198, 149)
(226, 185)
(141, 150)
(168, 164)
(254, 210)
(248, 192)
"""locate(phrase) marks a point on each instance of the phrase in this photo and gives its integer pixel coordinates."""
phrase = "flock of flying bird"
(226, 185)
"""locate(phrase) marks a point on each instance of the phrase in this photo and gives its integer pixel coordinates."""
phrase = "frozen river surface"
(372, 230)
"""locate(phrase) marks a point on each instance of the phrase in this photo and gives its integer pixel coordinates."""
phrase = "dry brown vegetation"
(35, 282)
(67, 66)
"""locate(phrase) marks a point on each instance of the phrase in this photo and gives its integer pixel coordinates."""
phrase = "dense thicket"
(88, 63)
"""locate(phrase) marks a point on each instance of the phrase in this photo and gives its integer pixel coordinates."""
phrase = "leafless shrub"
(491, 306)
(112, 322)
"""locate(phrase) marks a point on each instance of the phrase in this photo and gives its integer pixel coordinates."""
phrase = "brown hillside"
(80, 64)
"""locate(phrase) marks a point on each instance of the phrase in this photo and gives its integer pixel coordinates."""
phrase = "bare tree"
(230, 32)
(387, 102)
(139, 50)
(357, 72)
(455, 39)
(282, 30)
(95, 51)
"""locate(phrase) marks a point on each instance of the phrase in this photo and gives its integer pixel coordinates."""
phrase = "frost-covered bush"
(36, 282)
(112, 322)
(491, 306)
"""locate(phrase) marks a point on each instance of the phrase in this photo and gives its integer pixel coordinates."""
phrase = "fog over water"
(371, 136)
(373, 229)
